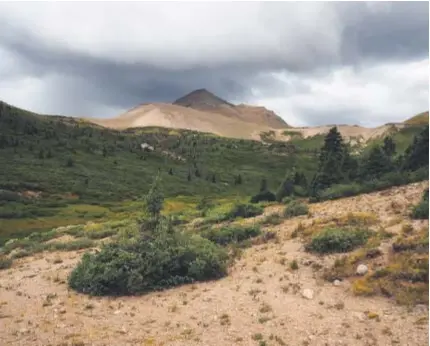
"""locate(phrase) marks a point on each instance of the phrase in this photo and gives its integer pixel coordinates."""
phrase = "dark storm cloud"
(99, 79)
(391, 31)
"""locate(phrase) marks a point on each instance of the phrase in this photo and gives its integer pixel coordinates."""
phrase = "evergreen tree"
(155, 199)
(70, 162)
(170, 171)
(389, 146)
(263, 185)
(41, 154)
(334, 160)
(238, 180)
(189, 176)
(213, 178)
(417, 154)
(376, 164)
(287, 186)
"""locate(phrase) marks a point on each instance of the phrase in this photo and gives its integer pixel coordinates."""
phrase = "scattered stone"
(62, 311)
(24, 331)
(308, 293)
(362, 269)
(117, 312)
(336, 283)
(307, 262)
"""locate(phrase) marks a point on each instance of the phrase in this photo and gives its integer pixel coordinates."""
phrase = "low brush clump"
(5, 263)
(338, 240)
(421, 210)
(160, 258)
(404, 278)
(295, 208)
(231, 234)
(163, 260)
(243, 210)
(272, 219)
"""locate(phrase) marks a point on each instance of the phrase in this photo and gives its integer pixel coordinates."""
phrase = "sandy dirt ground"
(261, 300)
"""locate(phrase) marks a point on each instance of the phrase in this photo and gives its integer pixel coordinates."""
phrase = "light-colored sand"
(260, 295)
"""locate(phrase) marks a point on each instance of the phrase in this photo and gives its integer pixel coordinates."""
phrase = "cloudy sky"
(312, 63)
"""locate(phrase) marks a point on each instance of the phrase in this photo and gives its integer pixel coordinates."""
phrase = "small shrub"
(231, 234)
(167, 259)
(243, 210)
(294, 265)
(287, 200)
(5, 263)
(73, 245)
(257, 337)
(421, 210)
(272, 219)
(338, 240)
(263, 196)
(295, 209)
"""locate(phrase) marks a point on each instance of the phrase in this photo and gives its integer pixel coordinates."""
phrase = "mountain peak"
(201, 99)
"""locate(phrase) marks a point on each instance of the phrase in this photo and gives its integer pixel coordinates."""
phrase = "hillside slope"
(263, 298)
(419, 119)
(201, 111)
(178, 117)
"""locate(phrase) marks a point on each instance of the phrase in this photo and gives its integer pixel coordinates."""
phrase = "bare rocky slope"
(262, 301)
(203, 111)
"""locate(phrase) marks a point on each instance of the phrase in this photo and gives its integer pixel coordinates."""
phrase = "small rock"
(307, 262)
(362, 269)
(23, 331)
(336, 283)
(62, 311)
(117, 312)
(308, 293)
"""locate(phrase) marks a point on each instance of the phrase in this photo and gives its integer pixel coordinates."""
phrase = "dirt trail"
(260, 295)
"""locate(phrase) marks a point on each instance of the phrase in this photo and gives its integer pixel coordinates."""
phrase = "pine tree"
(155, 199)
(238, 180)
(170, 171)
(333, 159)
(389, 146)
(263, 185)
(376, 164)
(213, 178)
(417, 154)
(287, 186)
(70, 162)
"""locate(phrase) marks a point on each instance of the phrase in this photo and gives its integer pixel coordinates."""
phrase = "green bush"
(231, 234)
(295, 209)
(287, 200)
(272, 219)
(73, 245)
(243, 210)
(421, 210)
(263, 196)
(165, 260)
(384, 182)
(5, 263)
(338, 240)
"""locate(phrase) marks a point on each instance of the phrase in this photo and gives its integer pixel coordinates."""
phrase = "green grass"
(72, 166)
(63, 171)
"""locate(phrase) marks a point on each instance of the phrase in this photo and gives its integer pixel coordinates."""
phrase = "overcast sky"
(312, 63)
